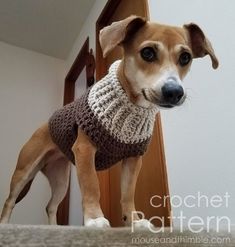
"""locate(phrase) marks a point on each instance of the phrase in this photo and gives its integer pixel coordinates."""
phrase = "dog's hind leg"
(30, 161)
(58, 174)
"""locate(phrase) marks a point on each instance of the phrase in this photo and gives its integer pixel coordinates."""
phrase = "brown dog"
(156, 59)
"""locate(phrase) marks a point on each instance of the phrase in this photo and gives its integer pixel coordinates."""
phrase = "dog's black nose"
(172, 93)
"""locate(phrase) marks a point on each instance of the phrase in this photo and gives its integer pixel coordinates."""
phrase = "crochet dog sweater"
(119, 128)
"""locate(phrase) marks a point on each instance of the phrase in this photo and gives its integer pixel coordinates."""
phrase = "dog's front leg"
(84, 152)
(130, 171)
(129, 175)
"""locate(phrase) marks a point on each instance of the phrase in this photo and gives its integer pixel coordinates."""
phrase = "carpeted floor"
(63, 236)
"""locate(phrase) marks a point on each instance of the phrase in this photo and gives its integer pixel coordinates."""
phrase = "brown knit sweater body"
(118, 128)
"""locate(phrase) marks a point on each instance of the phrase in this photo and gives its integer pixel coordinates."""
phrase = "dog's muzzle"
(170, 94)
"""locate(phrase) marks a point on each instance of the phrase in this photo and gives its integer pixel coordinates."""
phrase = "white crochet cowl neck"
(125, 121)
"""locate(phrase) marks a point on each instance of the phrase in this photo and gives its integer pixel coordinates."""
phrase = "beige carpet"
(40, 236)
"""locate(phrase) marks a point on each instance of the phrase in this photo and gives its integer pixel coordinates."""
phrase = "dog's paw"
(143, 223)
(100, 222)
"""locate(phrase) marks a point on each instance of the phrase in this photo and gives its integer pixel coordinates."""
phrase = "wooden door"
(153, 176)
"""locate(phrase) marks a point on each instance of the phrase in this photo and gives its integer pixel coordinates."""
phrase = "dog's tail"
(24, 192)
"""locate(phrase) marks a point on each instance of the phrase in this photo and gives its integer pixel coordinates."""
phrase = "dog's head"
(156, 57)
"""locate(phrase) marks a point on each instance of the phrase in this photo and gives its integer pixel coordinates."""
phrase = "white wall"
(199, 136)
(31, 88)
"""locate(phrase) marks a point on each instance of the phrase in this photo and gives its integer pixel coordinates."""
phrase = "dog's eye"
(184, 58)
(148, 54)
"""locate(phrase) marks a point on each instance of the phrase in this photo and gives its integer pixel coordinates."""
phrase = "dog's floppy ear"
(201, 46)
(118, 32)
